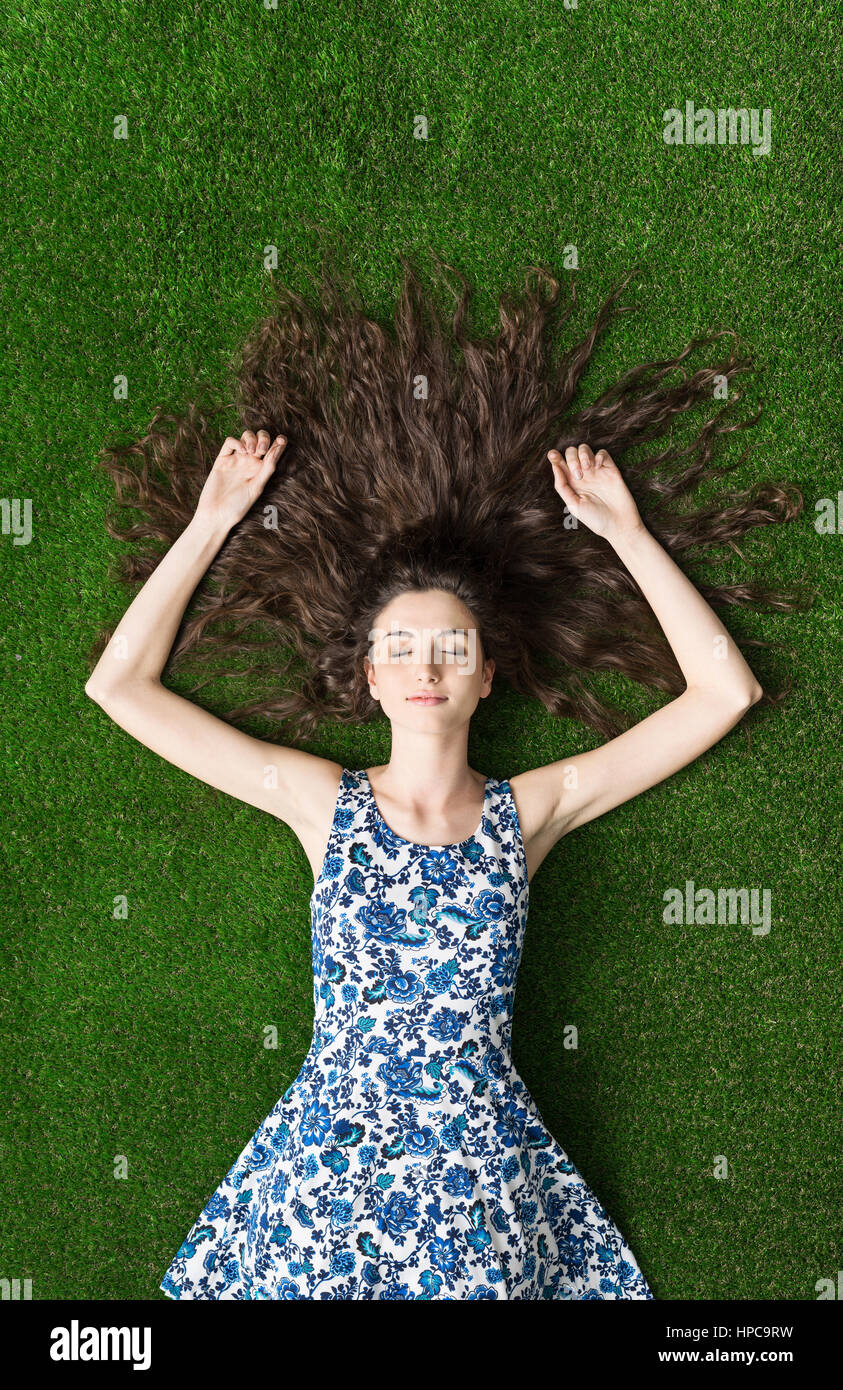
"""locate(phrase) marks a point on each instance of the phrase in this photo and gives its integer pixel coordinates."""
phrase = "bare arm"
(126, 681)
(708, 658)
(721, 686)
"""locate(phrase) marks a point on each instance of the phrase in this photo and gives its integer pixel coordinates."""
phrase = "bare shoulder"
(537, 805)
(311, 785)
(311, 788)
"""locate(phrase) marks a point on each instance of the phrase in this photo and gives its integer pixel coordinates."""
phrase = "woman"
(409, 551)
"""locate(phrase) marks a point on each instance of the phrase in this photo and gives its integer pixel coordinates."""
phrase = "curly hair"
(417, 460)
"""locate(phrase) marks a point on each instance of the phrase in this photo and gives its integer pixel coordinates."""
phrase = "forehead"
(436, 610)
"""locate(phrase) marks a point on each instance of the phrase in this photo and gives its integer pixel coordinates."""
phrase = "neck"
(430, 770)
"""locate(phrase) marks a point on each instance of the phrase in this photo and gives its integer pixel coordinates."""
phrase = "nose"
(426, 671)
(427, 678)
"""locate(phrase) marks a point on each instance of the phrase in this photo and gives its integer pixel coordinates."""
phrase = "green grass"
(143, 1037)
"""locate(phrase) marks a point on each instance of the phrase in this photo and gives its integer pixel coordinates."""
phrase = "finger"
(230, 445)
(264, 441)
(572, 459)
(269, 461)
(248, 441)
(586, 457)
(563, 465)
(558, 465)
(562, 482)
(274, 451)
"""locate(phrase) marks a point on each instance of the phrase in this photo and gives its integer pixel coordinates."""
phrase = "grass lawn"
(698, 1103)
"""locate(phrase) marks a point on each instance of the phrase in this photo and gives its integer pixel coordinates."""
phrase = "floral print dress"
(408, 1160)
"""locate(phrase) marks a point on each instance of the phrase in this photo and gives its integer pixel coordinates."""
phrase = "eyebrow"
(444, 632)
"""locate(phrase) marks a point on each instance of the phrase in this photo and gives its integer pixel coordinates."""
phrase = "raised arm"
(721, 687)
(126, 682)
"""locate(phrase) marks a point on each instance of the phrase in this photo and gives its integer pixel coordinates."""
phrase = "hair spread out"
(417, 459)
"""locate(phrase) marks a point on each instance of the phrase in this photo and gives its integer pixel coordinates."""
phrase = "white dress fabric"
(408, 1159)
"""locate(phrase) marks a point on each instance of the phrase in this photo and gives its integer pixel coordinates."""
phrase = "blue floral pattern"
(408, 1160)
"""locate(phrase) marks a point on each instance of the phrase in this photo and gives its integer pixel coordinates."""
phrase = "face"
(427, 644)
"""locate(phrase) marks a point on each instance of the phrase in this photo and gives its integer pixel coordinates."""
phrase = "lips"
(427, 699)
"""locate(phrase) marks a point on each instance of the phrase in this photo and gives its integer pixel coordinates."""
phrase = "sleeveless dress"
(408, 1160)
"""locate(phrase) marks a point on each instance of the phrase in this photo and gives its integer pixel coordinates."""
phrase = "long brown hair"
(417, 459)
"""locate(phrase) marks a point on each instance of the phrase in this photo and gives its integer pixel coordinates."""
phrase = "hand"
(594, 491)
(238, 476)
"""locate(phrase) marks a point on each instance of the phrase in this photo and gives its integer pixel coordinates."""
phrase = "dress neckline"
(418, 844)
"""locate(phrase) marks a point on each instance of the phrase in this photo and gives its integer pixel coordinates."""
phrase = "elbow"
(747, 696)
(94, 691)
(741, 698)
(104, 692)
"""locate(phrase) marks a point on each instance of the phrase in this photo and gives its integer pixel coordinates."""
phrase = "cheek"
(470, 674)
(387, 676)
